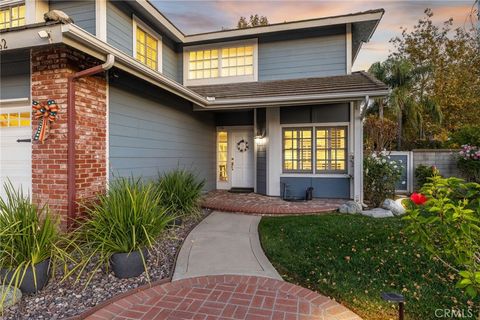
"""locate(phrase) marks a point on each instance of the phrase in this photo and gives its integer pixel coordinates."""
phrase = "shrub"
(424, 173)
(380, 134)
(469, 163)
(29, 234)
(180, 191)
(381, 175)
(448, 226)
(466, 135)
(127, 218)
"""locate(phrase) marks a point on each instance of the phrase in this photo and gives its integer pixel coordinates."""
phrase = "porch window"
(13, 16)
(222, 155)
(147, 49)
(297, 150)
(331, 149)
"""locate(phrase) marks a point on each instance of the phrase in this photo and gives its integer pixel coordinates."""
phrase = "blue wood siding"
(324, 113)
(337, 188)
(82, 12)
(171, 66)
(318, 56)
(15, 75)
(152, 132)
(119, 27)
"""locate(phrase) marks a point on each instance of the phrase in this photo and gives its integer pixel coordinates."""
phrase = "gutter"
(71, 132)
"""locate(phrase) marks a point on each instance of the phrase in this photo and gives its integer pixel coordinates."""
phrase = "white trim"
(315, 124)
(13, 102)
(10, 3)
(220, 80)
(351, 146)
(101, 19)
(314, 23)
(255, 149)
(358, 155)
(315, 175)
(274, 151)
(136, 22)
(348, 39)
(30, 11)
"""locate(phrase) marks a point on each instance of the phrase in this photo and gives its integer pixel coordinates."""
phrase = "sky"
(203, 16)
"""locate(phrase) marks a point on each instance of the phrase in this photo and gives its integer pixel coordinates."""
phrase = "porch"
(254, 203)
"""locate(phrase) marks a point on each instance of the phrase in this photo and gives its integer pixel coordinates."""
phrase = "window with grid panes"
(297, 150)
(203, 64)
(331, 149)
(147, 49)
(12, 16)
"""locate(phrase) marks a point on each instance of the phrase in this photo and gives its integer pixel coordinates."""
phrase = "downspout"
(71, 132)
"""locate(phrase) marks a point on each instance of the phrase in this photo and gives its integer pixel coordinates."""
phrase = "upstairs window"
(220, 63)
(147, 45)
(13, 16)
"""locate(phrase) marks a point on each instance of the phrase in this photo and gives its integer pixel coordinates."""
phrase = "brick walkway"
(225, 297)
(222, 200)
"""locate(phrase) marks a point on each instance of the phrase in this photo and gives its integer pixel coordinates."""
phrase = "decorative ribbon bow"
(45, 114)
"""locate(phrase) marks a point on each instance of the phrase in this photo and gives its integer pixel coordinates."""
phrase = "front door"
(241, 151)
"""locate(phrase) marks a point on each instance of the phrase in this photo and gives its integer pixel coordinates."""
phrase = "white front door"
(242, 157)
(15, 148)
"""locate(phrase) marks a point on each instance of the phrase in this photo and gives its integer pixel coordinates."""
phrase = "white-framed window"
(147, 45)
(315, 150)
(225, 62)
(12, 16)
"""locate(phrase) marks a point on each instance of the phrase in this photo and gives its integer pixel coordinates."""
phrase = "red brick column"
(50, 68)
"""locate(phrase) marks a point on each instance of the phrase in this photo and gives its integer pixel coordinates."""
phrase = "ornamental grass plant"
(29, 235)
(180, 191)
(128, 217)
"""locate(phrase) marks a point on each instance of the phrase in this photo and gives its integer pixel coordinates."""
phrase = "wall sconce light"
(260, 137)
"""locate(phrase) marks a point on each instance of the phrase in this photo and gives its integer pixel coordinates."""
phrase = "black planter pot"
(128, 265)
(27, 285)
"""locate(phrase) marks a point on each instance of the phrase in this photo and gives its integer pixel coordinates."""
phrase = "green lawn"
(354, 258)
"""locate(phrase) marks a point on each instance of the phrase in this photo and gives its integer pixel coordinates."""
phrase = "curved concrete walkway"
(222, 273)
(224, 243)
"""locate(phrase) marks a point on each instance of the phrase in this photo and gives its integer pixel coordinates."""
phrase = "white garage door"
(15, 148)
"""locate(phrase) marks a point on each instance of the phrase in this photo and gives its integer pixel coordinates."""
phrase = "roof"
(357, 82)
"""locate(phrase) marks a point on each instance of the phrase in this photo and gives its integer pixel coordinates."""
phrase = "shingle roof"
(356, 82)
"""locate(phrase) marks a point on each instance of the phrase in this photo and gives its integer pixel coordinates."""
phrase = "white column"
(358, 154)
(274, 151)
(101, 19)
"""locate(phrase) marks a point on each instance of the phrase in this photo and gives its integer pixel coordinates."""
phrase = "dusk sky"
(202, 16)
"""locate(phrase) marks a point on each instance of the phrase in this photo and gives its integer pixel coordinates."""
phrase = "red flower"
(418, 198)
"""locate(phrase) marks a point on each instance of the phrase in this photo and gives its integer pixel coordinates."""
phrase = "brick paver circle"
(225, 297)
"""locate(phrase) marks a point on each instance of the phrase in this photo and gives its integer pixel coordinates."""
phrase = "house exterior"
(273, 108)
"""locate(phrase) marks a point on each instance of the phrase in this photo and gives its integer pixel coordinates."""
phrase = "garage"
(16, 146)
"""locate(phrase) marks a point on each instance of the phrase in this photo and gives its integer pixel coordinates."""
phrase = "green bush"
(448, 226)
(381, 175)
(424, 173)
(469, 162)
(29, 234)
(469, 134)
(180, 191)
(127, 218)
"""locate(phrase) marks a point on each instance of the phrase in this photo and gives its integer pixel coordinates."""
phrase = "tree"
(255, 21)
(447, 65)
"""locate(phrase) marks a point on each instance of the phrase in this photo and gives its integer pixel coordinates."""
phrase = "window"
(147, 49)
(13, 16)
(217, 63)
(330, 150)
(15, 119)
(203, 64)
(297, 150)
(222, 149)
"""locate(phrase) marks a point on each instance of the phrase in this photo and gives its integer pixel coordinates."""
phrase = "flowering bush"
(469, 162)
(445, 219)
(381, 174)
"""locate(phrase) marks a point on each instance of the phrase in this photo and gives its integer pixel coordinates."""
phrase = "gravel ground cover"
(62, 300)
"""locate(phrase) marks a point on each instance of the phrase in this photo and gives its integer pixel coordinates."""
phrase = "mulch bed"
(62, 300)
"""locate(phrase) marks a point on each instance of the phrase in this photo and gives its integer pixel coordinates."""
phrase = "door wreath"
(242, 145)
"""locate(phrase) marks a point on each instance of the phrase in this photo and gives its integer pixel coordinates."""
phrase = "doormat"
(241, 190)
